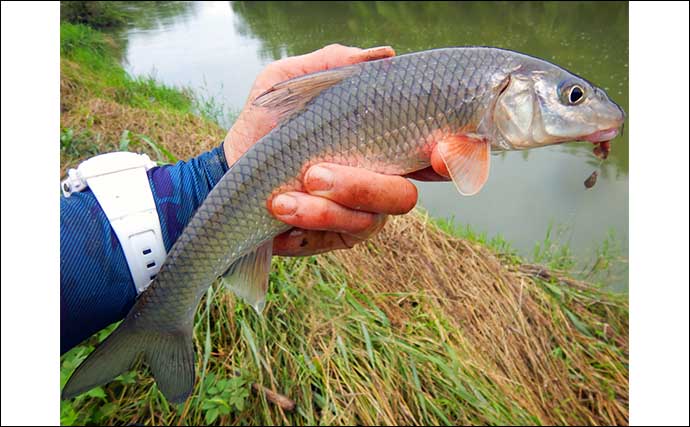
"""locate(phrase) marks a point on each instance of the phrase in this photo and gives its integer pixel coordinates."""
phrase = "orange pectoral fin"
(467, 160)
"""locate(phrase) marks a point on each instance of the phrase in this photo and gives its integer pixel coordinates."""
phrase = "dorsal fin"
(292, 95)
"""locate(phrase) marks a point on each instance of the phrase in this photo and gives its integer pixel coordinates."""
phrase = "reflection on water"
(221, 47)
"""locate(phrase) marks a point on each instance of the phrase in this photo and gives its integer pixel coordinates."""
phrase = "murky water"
(219, 48)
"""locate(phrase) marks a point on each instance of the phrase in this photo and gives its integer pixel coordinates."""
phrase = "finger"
(371, 54)
(317, 213)
(299, 242)
(331, 56)
(438, 164)
(361, 189)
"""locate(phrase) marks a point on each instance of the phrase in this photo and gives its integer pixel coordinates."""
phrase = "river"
(218, 48)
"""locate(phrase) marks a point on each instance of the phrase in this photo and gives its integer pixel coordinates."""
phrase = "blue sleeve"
(96, 287)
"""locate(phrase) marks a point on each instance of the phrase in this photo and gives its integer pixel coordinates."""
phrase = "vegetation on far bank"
(97, 14)
(428, 323)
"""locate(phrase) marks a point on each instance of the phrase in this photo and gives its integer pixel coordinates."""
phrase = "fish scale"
(381, 115)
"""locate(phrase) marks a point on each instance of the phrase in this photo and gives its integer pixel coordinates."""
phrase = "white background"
(658, 213)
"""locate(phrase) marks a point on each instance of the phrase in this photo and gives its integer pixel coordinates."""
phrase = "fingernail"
(378, 223)
(284, 205)
(378, 48)
(379, 51)
(296, 232)
(319, 179)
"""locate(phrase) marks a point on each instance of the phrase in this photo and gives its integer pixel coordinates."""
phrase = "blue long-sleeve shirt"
(96, 287)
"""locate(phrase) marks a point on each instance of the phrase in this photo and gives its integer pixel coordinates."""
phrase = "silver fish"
(385, 115)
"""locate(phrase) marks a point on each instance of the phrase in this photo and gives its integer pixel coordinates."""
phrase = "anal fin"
(467, 158)
(248, 276)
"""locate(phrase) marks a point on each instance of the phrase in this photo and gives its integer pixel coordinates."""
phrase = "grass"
(428, 323)
(89, 61)
(98, 14)
(99, 101)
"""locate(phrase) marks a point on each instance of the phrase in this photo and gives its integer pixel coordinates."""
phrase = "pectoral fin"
(467, 159)
(248, 276)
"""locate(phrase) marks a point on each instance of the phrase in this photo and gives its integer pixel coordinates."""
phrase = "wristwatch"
(119, 182)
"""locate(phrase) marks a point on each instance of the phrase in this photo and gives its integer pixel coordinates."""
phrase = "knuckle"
(361, 193)
(333, 47)
(271, 69)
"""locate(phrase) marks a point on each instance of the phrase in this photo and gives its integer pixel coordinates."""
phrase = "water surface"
(218, 49)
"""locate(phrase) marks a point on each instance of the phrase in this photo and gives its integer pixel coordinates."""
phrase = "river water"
(218, 48)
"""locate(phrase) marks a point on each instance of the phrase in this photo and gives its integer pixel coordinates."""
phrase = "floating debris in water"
(591, 180)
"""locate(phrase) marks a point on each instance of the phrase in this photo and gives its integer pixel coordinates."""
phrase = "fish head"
(548, 105)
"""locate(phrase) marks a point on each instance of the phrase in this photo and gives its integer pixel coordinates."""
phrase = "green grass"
(431, 322)
(89, 62)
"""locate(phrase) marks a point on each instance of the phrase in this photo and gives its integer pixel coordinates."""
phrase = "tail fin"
(170, 356)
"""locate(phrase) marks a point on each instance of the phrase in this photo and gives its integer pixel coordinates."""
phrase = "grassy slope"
(414, 327)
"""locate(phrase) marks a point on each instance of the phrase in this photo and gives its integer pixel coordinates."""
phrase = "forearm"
(96, 287)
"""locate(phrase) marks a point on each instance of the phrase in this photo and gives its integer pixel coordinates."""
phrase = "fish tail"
(169, 354)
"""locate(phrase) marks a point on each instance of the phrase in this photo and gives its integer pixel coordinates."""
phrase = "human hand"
(341, 205)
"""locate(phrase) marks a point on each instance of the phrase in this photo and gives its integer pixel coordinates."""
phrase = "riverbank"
(417, 326)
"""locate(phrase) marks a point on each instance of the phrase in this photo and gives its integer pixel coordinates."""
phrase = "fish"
(387, 116)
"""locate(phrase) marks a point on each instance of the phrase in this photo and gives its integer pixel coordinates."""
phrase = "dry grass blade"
(510, 322)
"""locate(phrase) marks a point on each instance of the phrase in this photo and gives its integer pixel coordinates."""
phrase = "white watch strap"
(119, 182)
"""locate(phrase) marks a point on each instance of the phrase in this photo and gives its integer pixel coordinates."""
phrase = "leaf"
(224, 410)
(220, 403)
(239, 398)
(68, 416)
(97, 393)
(159, 149)
(124, 140)
(367, 341)
(211, 415)
(129, 377)
(239, 404)
(579, 325)
(236, 383)
(108, 409)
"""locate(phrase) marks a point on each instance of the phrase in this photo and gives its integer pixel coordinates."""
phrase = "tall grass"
(414, 327)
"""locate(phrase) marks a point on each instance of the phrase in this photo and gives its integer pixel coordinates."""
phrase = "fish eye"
(575, 94)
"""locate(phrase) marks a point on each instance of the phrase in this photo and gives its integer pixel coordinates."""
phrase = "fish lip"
(602, 135)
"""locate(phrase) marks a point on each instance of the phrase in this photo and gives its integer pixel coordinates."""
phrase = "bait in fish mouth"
(602, 149)
(468, 101)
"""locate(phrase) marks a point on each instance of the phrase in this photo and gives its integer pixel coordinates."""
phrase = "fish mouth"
(601, 136)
